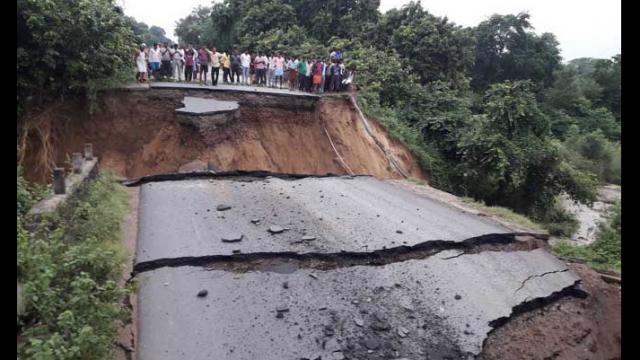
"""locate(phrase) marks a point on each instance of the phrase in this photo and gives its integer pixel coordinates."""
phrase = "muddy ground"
(570, 328)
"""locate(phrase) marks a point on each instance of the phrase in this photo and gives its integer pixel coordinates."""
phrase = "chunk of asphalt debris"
(282, 308)
(308, 238)
(223, 207)
(279, 315)
(328, 331)
(457, 297)
(358, 321)
(202, 293)
(285, 284)
(371, 343)
(313, 276)
(232, 238)
(235, 251)
(255, 221)
(399, 231)
(275, 229)
(402, 332)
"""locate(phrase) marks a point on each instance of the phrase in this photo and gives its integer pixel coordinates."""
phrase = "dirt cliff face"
(137, 133)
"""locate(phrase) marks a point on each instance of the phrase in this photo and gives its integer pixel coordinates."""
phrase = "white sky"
(584, 28)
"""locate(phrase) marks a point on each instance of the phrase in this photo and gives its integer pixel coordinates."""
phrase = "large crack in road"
(256, 267)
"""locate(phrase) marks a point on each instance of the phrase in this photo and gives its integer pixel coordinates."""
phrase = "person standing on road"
(141, 64)
(261, 64)
(154, 60)
(236, 64)
(178, 62)
(302, 74)
(278, 71)
(188, 64)
(215, 66)
(309, 77)
(292, 65)
(165, 67)
(245, 61)
(317, 75)
(203, 59)
(324, 76)
(271, 70)
(226, 67)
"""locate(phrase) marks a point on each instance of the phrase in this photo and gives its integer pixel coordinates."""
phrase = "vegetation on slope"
(68, 268)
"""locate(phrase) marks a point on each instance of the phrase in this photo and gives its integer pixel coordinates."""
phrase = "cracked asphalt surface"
(438, 306)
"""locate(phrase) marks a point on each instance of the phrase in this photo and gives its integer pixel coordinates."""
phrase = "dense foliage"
(68, 268)
(148, 35)
(70, 46)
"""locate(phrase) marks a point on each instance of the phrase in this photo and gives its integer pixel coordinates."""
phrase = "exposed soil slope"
(570, 328)
(136, 133)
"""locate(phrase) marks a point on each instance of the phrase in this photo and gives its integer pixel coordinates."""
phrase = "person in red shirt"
(188, 64)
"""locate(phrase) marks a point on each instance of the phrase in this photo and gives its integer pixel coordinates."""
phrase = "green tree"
(508, 158)
(71, 46)
(190, 30)
(434, 48)
(507, 49)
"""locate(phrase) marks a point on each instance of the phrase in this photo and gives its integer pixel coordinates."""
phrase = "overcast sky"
(584, 28)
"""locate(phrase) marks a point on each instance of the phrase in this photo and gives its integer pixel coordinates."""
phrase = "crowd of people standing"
(277, 70)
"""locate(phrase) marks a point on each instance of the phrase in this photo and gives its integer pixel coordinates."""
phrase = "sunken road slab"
(439, 307)
(201, 106)
(314, 215)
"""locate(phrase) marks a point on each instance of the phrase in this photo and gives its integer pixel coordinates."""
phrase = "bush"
(72, 300)
(594, 153)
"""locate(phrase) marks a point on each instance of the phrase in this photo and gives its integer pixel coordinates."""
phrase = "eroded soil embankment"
(136, 133)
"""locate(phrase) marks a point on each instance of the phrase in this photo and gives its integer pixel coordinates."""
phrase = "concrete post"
(59, 185)
(88, 151)
(76, 161)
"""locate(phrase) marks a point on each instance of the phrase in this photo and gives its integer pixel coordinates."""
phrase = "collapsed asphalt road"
(326, 267)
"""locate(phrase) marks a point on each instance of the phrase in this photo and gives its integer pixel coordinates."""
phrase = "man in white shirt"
(178, 62)
(154, 60)
(270, 69)
(245, 61)
(215, 65)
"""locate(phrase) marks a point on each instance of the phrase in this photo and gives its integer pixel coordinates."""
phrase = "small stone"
(255, 221)
(328, 331)
(399, 231)
(282, 308)
(279, 315)
(402, 331)
(285, 284)
(237, 251)
(457, 297)
(313, 276)
(202, 293)
(232, 238)
(371, 344)
(223, 207)
(308, 238)
(166, 284)
(358, 321)
(275, 229)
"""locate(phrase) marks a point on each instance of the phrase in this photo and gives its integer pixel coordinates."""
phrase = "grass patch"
(69, 267)
(504, 213)
(605, 252)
